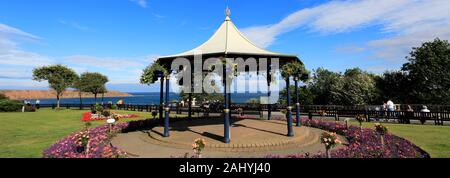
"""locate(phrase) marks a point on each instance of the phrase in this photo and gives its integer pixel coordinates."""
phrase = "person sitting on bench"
(425, 109)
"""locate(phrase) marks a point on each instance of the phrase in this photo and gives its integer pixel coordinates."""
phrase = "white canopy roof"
(228, 40)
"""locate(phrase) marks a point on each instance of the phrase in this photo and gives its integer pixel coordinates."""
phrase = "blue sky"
(120, 37)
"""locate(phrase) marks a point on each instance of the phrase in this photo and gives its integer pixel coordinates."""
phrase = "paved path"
(250, 138)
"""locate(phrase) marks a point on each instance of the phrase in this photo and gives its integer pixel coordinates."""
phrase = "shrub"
(106, 113)
(10, 106)
(98, 108)
(3, 96)
(30, 108)
(154, 113)
(93, 111)
(114, 107)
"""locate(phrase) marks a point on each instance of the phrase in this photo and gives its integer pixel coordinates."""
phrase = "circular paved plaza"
(249, 138)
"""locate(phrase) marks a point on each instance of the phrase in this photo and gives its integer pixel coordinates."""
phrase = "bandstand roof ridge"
(228, 40)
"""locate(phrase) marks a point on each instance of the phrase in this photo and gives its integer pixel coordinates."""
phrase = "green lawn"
(433, 139)
(26, 135)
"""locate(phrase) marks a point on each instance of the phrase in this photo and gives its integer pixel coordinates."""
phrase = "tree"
(94, 83)
(103, 91)
(359, 87)
(298, 71)
(59, 78)
(393, 85)
(78, 84)
(305, 96)
(326, 86)
(354, 87)
(428, 72)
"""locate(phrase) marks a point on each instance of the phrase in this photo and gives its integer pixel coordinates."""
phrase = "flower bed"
(360, 145)
(99, 141)
(98, 145)
(88, 116)
(365, 144)
(247, 117)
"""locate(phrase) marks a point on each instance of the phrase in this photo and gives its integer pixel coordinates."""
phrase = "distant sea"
(145, 98)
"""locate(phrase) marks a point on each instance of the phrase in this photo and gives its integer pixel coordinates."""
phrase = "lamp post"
(110, 123)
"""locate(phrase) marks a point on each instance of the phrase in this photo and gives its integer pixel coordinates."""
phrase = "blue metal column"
(190, 92)
(269, 80)
(288, 109)
(226, 110)
(167, 109)
(161, 99)
(297, 104)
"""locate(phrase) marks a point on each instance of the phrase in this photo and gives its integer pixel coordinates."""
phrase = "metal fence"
(439, 113)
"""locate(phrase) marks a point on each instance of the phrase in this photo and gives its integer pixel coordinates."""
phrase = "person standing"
(409, 114)
(38, 104)
(390, 105)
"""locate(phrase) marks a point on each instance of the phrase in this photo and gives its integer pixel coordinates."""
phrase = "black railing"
(438, 116)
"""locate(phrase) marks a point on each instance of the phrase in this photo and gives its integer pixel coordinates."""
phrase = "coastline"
(50, 94)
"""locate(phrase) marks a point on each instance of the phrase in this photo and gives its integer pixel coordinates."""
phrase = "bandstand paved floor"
(249, 138)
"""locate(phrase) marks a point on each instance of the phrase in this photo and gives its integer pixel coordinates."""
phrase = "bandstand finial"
(227, 13)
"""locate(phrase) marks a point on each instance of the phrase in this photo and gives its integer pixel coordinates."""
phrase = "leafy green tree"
(305, 96)
(78, 85)
(428, 71)
(354, 87)
(359, 87)
(59, 78)
(202, 97)
(393, 85)
(298, 72)
(93, 82)
(326, 86)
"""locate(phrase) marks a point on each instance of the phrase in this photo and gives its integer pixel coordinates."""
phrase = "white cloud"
(14, 84)
(16, 64)
(22, 58)
(75, 25)
(350, 48)
(407, 23)
(15, 73)
(11, 54)
(142, 3)
(108, 63)
(118, 70)
(6, 30)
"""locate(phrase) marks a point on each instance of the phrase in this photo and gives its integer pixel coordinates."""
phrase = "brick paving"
(249, 138)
